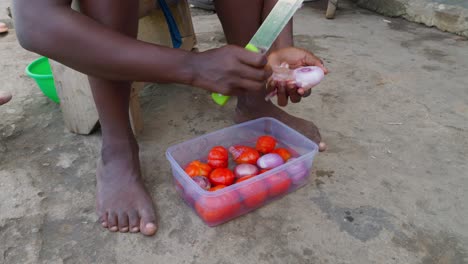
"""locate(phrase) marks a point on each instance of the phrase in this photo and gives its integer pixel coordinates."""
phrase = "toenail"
(124, 229)
(113, 229)
(150, 226)
(135, 229)
(104, 224)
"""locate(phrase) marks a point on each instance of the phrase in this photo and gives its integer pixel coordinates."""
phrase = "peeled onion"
(202, 181)
(270, 161)
(308, 77)
(243, 170)
(298, 172)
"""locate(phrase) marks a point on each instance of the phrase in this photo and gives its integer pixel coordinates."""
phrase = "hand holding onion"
(292, 75)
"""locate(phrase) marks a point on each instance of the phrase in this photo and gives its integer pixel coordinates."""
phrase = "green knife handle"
(223, 99)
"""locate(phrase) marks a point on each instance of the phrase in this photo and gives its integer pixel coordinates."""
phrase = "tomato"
(222, 176)
(197, 168)
(218, 187)
(244, 154)
(278, 184)
(245, 178)
(218, 157)
(254, 194)
(214, 209)
(263, 171)
(265, 144)
(284, 153)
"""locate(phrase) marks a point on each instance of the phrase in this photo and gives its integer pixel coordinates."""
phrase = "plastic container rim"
(199, 190)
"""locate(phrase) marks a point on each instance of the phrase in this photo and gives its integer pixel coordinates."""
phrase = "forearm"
(86, 46)
(285, 39)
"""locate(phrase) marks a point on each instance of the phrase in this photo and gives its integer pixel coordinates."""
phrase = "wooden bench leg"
(76, 101)
(331, 9)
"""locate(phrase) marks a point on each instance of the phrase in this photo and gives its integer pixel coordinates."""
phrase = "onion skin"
(243, 170)
(297, 172)
(203, 182)
(270, 161)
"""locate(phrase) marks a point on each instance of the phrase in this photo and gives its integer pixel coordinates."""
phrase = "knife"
(266, 35)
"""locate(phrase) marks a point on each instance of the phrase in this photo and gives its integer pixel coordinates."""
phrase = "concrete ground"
(391, 189)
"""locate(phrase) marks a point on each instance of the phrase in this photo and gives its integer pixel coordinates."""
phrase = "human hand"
(295, 58)
(230, 70)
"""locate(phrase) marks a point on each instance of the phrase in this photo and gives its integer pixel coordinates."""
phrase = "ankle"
(119, 148)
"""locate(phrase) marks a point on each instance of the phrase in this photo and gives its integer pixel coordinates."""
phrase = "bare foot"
(3, 28)
(5, 97)
(255, 106)
(122, 201)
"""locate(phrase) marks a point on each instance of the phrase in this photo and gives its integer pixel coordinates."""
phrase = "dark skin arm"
(51, 28)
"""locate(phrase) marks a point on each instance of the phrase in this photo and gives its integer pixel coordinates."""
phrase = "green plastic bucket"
(41, 72)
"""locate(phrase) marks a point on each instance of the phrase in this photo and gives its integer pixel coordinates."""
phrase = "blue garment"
(171, 23)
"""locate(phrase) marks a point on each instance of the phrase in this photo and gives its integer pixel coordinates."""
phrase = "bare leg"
(240, 24)
(123, 204)
(5, 97)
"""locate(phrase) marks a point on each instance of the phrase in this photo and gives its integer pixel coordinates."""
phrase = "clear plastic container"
(218, 207)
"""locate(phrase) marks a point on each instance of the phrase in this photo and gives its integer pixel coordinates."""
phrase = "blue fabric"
(173, 29)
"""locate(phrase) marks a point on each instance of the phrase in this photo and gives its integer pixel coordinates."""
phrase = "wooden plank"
(331, 9)
(76, 100)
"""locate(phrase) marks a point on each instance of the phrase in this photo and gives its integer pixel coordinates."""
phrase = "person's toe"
(103, 220)
(322, 146)
(3, 27)
(134, 221)
(148, 222)
(112, 222)
(123, 222)
(5, 97)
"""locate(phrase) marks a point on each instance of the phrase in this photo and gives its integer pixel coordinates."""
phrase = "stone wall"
(447, 15)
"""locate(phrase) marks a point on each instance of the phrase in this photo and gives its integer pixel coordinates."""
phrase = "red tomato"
(218, 157)
(254, 194)
(266, 144)
(197, 168)
(284, 153)
(214, 209)
(278, 183)
(244, 154)
(218, 187)
(222, 176)
(244, 178)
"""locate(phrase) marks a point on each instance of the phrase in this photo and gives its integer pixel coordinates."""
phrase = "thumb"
(311, 60)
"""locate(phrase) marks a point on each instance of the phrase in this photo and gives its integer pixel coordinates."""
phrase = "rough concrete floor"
(391, 189)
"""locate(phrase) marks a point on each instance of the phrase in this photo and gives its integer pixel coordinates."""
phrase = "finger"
(251, 73)
(271, 85)
(257, 60)
(282, 95)
(245, 85)
(312, 60)
(307, 93)
(293, 95)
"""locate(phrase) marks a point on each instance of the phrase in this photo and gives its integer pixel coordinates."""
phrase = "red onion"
(202, 181)
(308, 77)
(243, 170)
(270, 161)
(298, 172)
